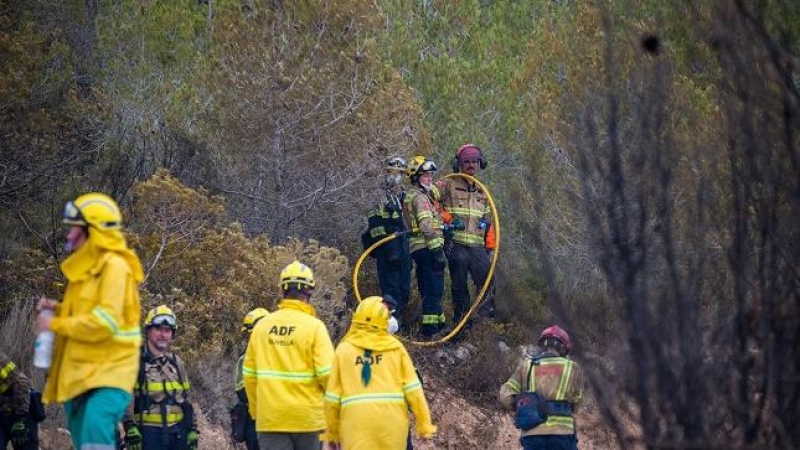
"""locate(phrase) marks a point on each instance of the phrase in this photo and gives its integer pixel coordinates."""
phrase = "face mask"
(394, 179)
(393, 325)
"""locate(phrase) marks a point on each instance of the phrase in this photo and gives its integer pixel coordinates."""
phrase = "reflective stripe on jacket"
(286, 366)
(165, 383)
(387, 218)
(376, 415)
(555, 378)
(238, 379)
(15, 389)
(468, 202)
(96, 326)
(421, 215)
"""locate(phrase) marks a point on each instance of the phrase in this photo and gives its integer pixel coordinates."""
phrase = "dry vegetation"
(645, 168)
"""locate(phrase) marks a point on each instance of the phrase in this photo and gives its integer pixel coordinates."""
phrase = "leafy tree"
(305, 113)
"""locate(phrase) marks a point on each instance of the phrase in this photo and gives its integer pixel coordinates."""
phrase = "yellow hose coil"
(478, 299)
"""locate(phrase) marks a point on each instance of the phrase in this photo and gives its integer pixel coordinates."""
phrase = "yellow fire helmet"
(93, 210)
(161, 316)
(252, 318)
(372, 312)
(419, 165)
(299, 274)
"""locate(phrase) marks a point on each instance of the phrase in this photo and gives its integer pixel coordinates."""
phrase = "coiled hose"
(478, 298)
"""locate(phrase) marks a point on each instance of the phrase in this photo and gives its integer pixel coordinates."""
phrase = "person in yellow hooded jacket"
(373, 378)
(96, 352)
(286, 366)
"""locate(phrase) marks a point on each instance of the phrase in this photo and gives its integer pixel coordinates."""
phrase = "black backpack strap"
(530, 372)
(141, 401)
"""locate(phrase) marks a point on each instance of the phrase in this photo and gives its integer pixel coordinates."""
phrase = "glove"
(447, 232)
(439, 260)
(457, 224)
(191, 439)
(133, 437)
(19, 434)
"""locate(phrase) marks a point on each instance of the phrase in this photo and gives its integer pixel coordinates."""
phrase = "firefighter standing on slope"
(249, 322)
(160, 416)
(96, 350)
(421, 215)
(394, 257)
(372, 386)
(559, 380)
(16, 424)
(286, 367)
(470, 250)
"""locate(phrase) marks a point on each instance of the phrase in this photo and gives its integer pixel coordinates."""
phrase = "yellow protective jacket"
(468, 202)
(555, 378)
(286, 366)
(162, 386)
(374, 415)
(421, 216)
(97, 323)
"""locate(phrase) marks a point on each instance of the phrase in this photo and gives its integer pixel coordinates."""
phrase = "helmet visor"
(396, 164)
(163, 320)
(72, 215)
(428, 166)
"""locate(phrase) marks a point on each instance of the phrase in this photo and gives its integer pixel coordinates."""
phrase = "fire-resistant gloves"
(447, 232)
(20, 434)
(454, 225)
(439, 260)
(133, 436)
(191, 439)
(457, 224)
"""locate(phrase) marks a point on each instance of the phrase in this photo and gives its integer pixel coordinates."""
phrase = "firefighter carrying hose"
(421, 215)
(469, 252)
(393, 258)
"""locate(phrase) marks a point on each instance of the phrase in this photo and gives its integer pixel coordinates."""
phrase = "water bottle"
(43, 347)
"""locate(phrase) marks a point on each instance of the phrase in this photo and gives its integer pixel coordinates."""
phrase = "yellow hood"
(369, 327)
(84, 259)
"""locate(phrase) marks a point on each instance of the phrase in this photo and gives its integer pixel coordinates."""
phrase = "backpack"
(531, 406)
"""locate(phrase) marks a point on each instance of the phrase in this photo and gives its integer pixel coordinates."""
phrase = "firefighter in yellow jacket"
(421, 215)
(286, 367)
(559, 381)
(161, 416)
(248, 423)
(96, 352)
(469, 252)
(372, 386)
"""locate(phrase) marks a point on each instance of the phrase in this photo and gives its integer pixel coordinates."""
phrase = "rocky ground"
(462, 424)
